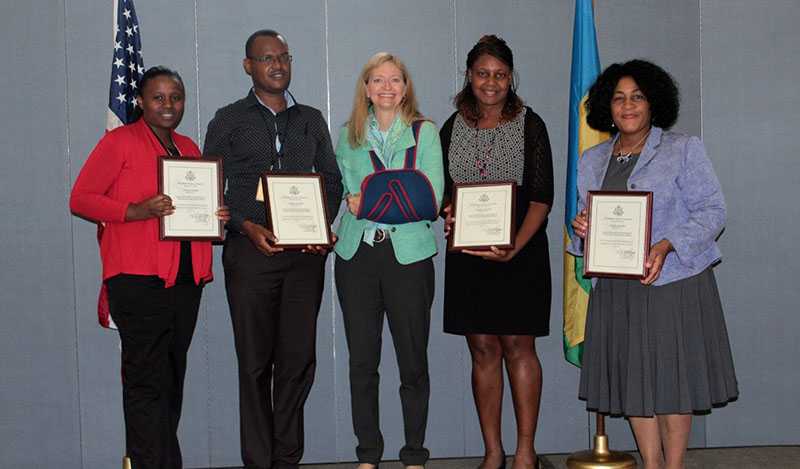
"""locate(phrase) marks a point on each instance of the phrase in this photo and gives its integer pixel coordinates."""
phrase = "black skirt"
(499, 298)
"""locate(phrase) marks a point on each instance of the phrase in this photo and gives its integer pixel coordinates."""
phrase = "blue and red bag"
(395, 196)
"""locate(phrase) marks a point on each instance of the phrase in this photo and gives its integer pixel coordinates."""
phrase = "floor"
(758, 457)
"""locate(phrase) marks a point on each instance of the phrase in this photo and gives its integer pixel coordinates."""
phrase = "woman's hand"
(262, 238)
(494, 254)
(223, 214)
(580, 224)
(655, 261)
(157, 206)
(353, 203)
(447, 212)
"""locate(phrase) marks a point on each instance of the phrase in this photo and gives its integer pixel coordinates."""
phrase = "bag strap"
(377, 164)
(411, 152)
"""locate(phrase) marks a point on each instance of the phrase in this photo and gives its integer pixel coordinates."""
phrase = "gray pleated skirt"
(656, 350)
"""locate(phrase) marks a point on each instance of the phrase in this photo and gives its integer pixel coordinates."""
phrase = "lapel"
(598, 166)
(649, 151)
(182, 149)
(152, 140)
(405, 141)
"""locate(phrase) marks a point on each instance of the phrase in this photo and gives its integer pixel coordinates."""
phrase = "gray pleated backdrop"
(59, 372)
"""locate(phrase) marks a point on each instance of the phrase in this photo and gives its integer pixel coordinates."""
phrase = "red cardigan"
(123, 169)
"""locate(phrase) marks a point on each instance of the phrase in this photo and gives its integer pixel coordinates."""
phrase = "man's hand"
(262, 238)
(321, 250)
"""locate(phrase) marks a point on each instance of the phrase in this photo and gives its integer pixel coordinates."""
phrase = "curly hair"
(654, 82)
(466, 102)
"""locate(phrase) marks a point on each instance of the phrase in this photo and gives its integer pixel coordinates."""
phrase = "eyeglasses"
(269, 60)
(620, 99)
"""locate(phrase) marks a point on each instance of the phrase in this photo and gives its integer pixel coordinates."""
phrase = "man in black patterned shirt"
(274, 296)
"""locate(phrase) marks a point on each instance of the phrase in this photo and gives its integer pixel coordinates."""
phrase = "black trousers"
(370, 284)
(274, 302)
(155, 326)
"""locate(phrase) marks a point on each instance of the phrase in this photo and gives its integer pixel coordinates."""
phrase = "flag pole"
(126, 70)
(585, 68)
(600, 457)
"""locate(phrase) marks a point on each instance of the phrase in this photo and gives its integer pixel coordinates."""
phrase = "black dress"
(487, 297)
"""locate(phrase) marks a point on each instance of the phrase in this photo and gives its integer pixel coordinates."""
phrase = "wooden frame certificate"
(195, 187)
(618, 238)
(296, 209)
(484, 216)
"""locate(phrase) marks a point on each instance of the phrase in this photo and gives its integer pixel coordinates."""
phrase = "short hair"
(150, 74)
(654, 82)
(358, 116)
(261, 33)
(466, 102)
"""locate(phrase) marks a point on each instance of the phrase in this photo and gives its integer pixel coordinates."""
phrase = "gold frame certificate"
(484, 216)
(296, 209)
(618, 238)
(195, 187)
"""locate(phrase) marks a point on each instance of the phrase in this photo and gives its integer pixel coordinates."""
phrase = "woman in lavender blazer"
(656, 350)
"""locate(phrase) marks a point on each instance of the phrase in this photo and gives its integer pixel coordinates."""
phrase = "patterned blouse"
(495, 154)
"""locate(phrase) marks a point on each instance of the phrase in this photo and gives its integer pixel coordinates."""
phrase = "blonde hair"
(356, 132)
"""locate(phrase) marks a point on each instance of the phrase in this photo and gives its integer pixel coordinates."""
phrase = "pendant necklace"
(625, 157)
(171, 150)
(483, 155)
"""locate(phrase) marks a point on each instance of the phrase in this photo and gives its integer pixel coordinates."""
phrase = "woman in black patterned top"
(494, 137)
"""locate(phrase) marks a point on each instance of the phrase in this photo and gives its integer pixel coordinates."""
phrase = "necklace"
(484, 155)
(625, 157)
(172, 149)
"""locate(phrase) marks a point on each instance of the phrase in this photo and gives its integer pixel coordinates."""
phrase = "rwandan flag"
(585, 69)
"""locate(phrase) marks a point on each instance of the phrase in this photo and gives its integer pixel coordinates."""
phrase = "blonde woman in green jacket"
(386, 269)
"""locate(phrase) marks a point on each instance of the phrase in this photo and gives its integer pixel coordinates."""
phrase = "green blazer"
(414, 241)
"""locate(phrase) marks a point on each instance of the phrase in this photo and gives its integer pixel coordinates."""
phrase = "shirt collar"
(290, 101)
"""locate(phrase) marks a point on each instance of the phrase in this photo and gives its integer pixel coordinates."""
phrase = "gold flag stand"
(600, 457)
(126, 463)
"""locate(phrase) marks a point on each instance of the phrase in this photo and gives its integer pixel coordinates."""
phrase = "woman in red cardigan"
(154, 286)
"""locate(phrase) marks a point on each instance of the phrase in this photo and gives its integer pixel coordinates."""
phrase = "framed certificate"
(296, 209)
(484, 216)
(195, 187)
(618, 238)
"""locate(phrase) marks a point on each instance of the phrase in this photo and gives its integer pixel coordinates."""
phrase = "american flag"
(127, 66)
(127, 69)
